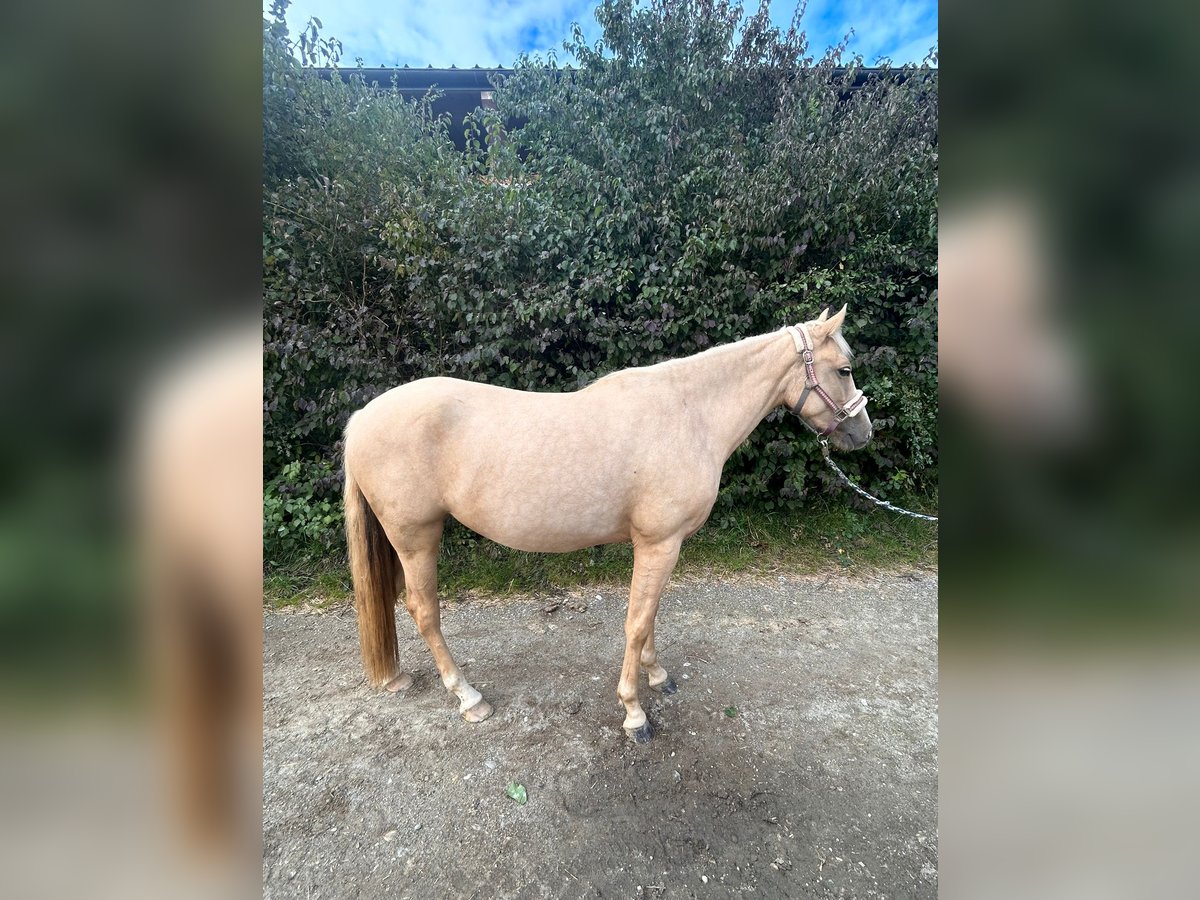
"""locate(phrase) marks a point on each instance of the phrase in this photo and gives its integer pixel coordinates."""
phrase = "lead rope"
(861, 492)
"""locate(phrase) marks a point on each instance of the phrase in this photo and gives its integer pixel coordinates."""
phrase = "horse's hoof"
(399, 684)
(643, 734)
(478, 712)
(667, 688)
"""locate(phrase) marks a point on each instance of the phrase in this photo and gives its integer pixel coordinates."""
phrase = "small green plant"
(516, 792)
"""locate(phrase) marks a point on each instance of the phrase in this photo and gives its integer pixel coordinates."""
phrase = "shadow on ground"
(799, 757)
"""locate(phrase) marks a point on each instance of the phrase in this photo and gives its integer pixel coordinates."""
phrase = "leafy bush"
(300, 513)
(695, 178)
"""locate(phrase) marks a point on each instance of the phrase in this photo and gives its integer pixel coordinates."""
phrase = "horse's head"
(820, 385)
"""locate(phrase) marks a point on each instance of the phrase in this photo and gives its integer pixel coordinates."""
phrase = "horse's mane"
(711, 352)
(718, 350)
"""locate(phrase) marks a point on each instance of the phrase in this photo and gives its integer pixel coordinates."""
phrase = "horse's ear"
(832, 324)
(824, 315)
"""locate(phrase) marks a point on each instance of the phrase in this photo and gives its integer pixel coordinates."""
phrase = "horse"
(636, 456)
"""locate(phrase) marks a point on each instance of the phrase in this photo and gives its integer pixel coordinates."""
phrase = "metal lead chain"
(861, 492)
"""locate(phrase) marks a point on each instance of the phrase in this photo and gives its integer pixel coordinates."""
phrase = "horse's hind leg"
(656, 675)
(418, 555)
(652, 566)
(403, 681)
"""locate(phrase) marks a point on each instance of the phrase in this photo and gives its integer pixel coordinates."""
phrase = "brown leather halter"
(848, 410)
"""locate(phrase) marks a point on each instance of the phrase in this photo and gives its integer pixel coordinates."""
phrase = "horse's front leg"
(652, 566)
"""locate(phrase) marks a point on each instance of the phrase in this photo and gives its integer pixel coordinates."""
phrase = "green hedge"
(695, 178)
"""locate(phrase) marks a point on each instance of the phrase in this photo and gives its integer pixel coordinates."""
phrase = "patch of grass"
(320, 584)
(824, 538)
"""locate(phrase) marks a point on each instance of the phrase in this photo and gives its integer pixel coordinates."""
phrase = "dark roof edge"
(408, 79)
(477, 78)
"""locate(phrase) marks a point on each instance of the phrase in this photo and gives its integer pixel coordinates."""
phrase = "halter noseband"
(851, 408)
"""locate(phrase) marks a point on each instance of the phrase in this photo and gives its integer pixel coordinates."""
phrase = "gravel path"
(798, 759)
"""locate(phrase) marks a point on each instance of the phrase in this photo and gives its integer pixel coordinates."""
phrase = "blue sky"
(493, 32)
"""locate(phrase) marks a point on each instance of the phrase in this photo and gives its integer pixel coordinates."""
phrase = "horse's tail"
(377, 575)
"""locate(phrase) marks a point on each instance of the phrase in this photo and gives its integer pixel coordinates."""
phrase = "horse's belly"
(540, 482)
(536, 521)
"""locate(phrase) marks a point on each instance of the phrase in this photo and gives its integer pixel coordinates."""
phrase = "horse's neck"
(734, 387)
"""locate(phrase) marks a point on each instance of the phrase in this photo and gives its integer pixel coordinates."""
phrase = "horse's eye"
(844, 371)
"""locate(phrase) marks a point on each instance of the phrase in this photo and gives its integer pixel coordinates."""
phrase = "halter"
(851, 408)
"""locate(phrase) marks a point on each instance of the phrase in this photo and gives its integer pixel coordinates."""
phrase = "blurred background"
(1070, 226)
(1068, 311)
(1070, 212)
(132, 385)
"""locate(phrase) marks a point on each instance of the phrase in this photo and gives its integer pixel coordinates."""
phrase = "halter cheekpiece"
(848, 410)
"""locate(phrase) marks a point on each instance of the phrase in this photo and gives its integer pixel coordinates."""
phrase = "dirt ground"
(798, 759)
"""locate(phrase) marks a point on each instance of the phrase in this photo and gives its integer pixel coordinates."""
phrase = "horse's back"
(428, 404)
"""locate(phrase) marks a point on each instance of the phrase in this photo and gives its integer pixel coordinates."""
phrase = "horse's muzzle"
(849, 438)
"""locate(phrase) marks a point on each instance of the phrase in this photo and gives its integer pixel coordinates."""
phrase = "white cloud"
(903, 30)
(446, 32)
(493, 32)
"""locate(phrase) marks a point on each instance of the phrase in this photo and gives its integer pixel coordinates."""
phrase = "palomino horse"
(635, 456)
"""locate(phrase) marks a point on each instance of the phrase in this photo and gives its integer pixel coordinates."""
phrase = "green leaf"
(731, 712)
(516, 792)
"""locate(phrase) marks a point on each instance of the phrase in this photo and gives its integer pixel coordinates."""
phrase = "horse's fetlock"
(635, 718)
(467, 697)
